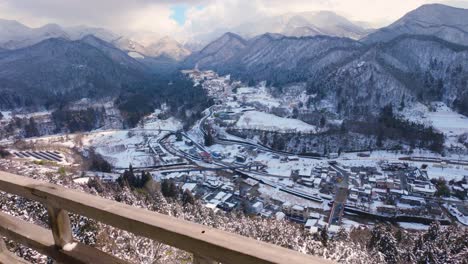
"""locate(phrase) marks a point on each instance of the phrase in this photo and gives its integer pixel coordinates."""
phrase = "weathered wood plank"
(202, 260)
(59, 222)
(201, 240)
(42, 240)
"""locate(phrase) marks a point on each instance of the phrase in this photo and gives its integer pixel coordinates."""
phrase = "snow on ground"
(168, 124)
(135, 55)
(448, 121)
(6, 115)
(277, 167)
(443, 118)
(257, 95)
(34, 114)
(264, 121)
(119, 147)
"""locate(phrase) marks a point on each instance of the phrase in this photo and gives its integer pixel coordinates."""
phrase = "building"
(256, 208)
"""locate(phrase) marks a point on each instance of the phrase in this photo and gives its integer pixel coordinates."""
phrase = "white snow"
(168, 124)
(441, 117)
(135, 55)
(264, 121)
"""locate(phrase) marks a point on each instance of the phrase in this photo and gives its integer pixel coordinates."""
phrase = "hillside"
(345, 72)
(444, 22)
(58, 70)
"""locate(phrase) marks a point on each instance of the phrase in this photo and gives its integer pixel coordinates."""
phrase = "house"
(249, 187)
(256, 208)
(387, 209)
(314, 215)
(317, 182)
(297, 211)
(310, 223)
(189, 186)
(205, 156)
(426, 190)
(280, 216)
(412, 200)
(333, 229)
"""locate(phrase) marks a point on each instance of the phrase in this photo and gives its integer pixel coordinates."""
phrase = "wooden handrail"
(206, 243)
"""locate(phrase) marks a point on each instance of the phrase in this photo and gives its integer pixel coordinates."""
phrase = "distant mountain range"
(59, 70)
(292, 24)
(14, 35)
(304, 24)
(422, 57)
(391, 65)
(445, 22)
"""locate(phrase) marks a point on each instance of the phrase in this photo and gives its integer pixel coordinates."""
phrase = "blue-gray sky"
(183, 18)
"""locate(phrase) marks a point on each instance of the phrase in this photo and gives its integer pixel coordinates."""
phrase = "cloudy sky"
(182, 18)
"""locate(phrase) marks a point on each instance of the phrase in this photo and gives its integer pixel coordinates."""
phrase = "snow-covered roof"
(280, 216)
(250, 182)
(298, 208)
(310, 222)
(333, 229)
(189, 186)
(314, 215)
(257, 205)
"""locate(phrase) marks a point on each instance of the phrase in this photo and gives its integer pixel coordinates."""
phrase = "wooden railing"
(208, 245)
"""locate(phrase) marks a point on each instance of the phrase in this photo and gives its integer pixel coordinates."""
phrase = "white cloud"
(155, 15)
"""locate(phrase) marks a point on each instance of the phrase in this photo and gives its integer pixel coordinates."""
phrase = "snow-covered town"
(236, 131)
(228, 171)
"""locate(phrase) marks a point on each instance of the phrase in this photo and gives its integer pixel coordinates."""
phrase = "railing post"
(202, 260)
(3, 247)
(59, 222)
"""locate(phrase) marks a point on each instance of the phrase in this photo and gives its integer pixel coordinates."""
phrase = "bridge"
(208, 245)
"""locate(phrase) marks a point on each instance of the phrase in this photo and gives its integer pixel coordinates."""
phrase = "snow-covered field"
(258, 95)
(265, 121)
(119, 147)
(168, 124)
(442, 118)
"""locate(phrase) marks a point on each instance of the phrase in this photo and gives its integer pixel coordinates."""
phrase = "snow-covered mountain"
(78, 32)
(167, 47)
(14, 35)
(218, 52)
(57, 70)
(291, 24)
(445, 22)
(353, 77)
(303, 24)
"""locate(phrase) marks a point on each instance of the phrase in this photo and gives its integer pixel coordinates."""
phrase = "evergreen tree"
(31, 128)
(324, 236)
(208, 137)
(323, 121)
(383, 241)
(187, 197)
(145, 178)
